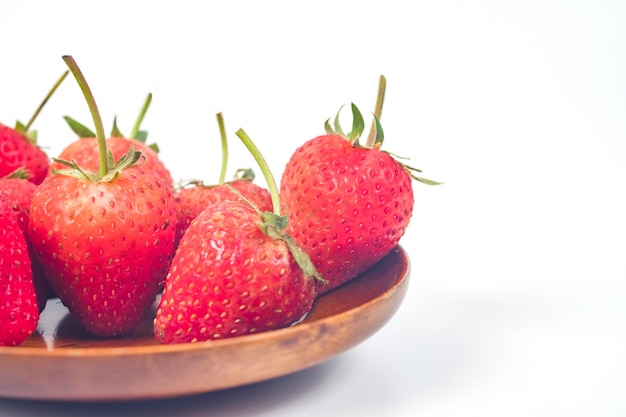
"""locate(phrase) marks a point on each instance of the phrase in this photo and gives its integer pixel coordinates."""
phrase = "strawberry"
(19, 193)
(235, 273)
(105, 238)
(196, 196)
(348, 204)
(18, 146)
(85, 150)
(19, 313)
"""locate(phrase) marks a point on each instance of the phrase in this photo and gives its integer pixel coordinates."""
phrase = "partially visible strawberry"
(235, 273)
(348, 204)
(18, 303)
(19, 193)
(193, 198)
(85, 150)
(191, 201)
(105, 238)
(18, 146)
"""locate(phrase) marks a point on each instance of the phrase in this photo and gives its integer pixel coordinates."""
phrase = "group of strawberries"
(104, 228)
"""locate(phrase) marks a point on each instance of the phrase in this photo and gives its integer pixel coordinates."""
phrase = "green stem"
(93, 108)
(141, 116)
(45, 100)
(267, 173)
(220, 122)
(378, 110)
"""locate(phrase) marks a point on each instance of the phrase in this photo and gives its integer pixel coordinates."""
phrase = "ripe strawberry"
(19, 150)
(106, 245)
(105, 239)
(234, 273)
(18, 303)
(348, 205)
(86, 153)
(19, 193)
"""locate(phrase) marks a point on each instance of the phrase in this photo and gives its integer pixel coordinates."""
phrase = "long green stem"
(378, 110)
(93, 108)
(45, 100)
(220, 123)
(267, 173)
(141, 116)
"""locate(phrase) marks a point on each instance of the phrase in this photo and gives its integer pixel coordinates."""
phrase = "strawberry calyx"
(136, 133)
(113, 171)
(242, 174)
(358, 127)
(376, 135)
(19, 173)
(109, 169)
(273, 224)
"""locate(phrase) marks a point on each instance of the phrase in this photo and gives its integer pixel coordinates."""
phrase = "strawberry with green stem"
(196, 196)
(349, 203)
(235, 272)
(86, 151)
(105, 237)
(19, 149)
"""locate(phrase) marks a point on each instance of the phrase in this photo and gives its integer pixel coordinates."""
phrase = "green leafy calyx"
(114, 168)
(83, 131)
(376, 135)
(358, 127)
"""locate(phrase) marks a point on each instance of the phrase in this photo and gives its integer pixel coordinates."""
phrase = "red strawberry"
(348, 205)
(19, 150)
(19, 193)
(234, 273)
(105, 239)
(18, 303)
(105, 245)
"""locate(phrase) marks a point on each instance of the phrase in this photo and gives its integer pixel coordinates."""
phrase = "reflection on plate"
(61, 361)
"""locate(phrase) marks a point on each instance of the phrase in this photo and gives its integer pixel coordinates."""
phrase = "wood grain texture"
(61, 361)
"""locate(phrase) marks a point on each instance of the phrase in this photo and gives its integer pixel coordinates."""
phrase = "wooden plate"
(63, 362)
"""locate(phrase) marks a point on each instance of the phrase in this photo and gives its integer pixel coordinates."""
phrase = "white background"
(517, 303)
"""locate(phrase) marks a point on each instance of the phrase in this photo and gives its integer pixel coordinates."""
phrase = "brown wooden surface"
(61, 361)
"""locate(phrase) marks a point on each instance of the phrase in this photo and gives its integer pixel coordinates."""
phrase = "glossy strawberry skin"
(19, 193)
(191, 201)
(16, 151)
(229, 279)
(19, 312)
(348, 206)
(105, 246)
(85, 152)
